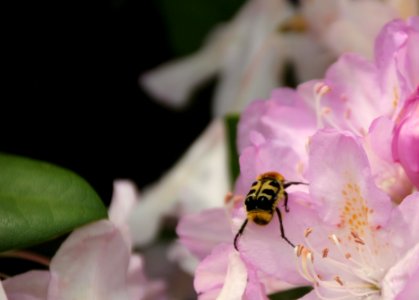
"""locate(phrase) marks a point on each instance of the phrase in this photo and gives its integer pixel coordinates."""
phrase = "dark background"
(70, 90)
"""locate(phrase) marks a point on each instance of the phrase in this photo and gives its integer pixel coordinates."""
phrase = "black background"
(71, 94)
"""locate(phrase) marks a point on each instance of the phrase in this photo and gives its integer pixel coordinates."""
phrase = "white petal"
(254, 58)
(199, 180)
(124, 198)
(173, 82)
(236, 278)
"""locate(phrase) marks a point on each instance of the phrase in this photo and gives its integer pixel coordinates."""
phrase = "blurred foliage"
(291, 294)
(231, 122)
(189, 22)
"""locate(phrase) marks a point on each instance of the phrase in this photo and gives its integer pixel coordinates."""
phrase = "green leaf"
(39, 201)
(231, 122)
(291, 294)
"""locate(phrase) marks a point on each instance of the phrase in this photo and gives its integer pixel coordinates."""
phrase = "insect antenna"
(289, 183)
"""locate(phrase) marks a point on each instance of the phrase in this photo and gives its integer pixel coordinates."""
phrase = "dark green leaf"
(39, 201)
(231, 122)
(291, 294)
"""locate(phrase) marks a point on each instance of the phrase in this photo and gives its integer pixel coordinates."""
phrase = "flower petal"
(2, 293)
(124, 198)
(263, 247)
(388, 175)
(224, 271)
(401, 280)
(340, 179)
(201, 232)
(100, 271)
(198, 181)
(266, 157)
(396, 57)
(172, 83)
(32, 285)
(284, 118)
(404, 222)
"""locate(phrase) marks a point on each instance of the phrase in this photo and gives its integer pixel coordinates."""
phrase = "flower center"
(346, 270)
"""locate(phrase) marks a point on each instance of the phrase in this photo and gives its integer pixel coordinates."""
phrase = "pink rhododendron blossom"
(336, 134)
(354, 93)
(208, 236)
(365, 248)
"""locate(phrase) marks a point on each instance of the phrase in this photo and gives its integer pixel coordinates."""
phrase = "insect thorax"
(263, 197)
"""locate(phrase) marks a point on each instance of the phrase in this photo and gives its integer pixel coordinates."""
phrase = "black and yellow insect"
(262, 200)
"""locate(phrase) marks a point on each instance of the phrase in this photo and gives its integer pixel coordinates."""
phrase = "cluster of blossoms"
(249, 54)
(354, 137)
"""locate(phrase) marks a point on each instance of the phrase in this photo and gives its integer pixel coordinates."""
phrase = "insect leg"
(286, 201)
(239, 233)
(287, 184)
(281, 226)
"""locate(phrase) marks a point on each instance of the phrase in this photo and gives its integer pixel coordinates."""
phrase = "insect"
(262, 200)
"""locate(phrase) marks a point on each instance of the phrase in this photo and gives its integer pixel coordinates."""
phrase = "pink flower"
(222, 273)
(351, 171)
(364, 247)
(356, 95)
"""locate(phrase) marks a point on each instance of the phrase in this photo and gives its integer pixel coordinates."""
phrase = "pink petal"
(32, 285)
(354, 99)
(401, 280)
(222, 271)
(91, 264)
(284, 118)
(339, 173)
(396, 57)
(388, 175)
(255, 290)
(404, 222)
(266, 157)
(201, 232)
(263, 247)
